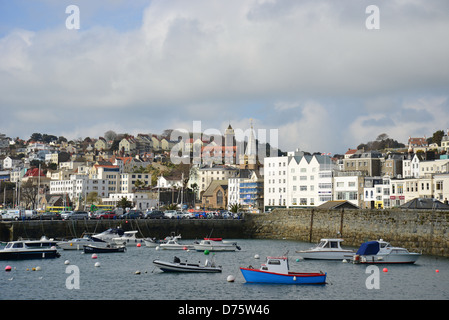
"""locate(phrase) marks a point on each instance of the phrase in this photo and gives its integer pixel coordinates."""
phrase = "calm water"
(116, 278)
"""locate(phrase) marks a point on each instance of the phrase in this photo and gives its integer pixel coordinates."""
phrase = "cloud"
(309, 68)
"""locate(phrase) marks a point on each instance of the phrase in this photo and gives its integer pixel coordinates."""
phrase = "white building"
(141, 200)
(298, 180)
(78, 186)
(349, 186)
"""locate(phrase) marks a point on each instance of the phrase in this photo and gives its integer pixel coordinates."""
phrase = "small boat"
(43, 242)
(127, 238)
(108, 235)
(109, 248)
(178, 266)
(382, 252)
(216, 244)
(327, 249)
(77, 243)
(276, 270)
(19, 250)
(173, 244)
(153, 242)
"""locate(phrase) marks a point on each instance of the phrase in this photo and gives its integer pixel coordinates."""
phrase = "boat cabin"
(16, 245)
(330, 243)
(276, 265)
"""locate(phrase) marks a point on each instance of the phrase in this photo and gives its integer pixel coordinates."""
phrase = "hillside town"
(46, 172)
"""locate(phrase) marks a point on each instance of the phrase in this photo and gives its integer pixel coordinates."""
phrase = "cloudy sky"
(309, 68)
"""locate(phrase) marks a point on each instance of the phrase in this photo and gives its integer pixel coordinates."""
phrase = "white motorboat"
(381, 252)
(19, 250)
(76, 243)
(173, 244)
(215, 244)
(43, 242)
(153, 242)
(178, 266)
(327, 249)
(108, 235)
(127, 238)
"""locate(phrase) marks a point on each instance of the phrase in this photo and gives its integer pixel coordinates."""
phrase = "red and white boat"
(276, 270)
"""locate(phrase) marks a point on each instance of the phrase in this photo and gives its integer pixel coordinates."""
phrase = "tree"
(28, 193)
(436, 137)
(124, 203)
(110, 135)
(235, 207)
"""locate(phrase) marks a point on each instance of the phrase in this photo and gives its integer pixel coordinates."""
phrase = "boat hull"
(326, 255)
(184, 267)
(409, 258)
(29, 254)
(259, 276)
(92, 249)
(175, 247)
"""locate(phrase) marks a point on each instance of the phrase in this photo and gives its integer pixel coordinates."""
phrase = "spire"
(251, 147)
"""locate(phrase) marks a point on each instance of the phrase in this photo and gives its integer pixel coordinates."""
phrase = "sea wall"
(59, 229)
(425, 231)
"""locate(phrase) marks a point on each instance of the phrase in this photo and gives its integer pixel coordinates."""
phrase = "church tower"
(249, 159)
(229, 148)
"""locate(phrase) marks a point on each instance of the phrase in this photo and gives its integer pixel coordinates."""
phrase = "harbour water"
(116, 277)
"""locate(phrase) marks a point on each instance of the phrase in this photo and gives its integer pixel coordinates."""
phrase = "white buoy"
(157, 248)
(137, 272)
(345, 261)
(38, 268)
(97, 264)
(230, 278)
(94, 256)
(256, 256)
(67, 262)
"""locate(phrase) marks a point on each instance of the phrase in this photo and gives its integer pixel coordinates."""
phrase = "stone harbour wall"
(422, 231)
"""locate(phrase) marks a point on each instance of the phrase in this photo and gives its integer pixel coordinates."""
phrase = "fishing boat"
(19, 250)
(178, 266)
(216, 244)
(77, 243)
(381, 252)
(109, 248)
(276, 270)
(128, 237)
(173, 244)
(327, 249)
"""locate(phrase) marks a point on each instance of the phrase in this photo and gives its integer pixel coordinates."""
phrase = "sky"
(312, 70)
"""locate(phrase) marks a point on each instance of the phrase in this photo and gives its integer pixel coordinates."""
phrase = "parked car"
(132, 214)
(106, 215)
(48, 216)
(79, 215)
(171, 214)
(65, 214)
(156, 214)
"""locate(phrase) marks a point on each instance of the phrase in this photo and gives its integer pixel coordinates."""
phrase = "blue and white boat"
(381, 252)
(276, 270)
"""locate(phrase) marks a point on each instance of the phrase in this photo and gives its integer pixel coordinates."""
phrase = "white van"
(12, 214)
